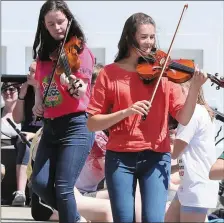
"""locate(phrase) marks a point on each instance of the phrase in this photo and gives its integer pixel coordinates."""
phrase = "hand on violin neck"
(76, 87)
(199, 78)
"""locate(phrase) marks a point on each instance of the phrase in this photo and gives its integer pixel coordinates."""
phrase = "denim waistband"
(74, 114)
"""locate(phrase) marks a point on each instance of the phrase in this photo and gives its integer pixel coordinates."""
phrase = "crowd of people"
(92, 155)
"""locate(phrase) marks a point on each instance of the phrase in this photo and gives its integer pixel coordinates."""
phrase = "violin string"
(181, 67)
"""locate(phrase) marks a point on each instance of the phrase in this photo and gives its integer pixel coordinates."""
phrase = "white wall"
(202, 29)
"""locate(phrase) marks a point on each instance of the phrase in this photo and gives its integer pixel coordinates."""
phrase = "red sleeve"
(176, 98)
(86, 67)
(100, 101)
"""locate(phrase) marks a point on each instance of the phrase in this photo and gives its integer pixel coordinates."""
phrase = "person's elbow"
(91, 123)
(184, 122)
(182, 119)
(212, 174)
(217, 170)
(174, 155)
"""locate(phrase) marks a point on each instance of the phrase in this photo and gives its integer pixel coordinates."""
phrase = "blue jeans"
(152, 169)
(61, 155)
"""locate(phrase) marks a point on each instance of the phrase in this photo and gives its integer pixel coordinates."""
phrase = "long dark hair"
(44, 43)
(127, 39)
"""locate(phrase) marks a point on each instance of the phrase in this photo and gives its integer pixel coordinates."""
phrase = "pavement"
(16, 215)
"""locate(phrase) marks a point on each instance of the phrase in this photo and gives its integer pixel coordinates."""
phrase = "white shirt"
(195, 162)
(7, 131)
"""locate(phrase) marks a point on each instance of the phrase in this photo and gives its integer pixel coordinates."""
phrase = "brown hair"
(44, 43)
(127, 38)
(201, 99)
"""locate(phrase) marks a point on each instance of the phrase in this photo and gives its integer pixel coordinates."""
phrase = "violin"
(65, 58)
(69, 60)
(177, 71)
(160, 64)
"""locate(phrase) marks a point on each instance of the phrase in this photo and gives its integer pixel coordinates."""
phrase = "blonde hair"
(201, 99)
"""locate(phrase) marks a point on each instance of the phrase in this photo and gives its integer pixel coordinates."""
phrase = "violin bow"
(54, 68)
(167, 58)
(56, 64)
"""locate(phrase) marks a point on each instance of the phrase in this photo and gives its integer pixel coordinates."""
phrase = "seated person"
(22, 114)
(9, 92)
(9, 136)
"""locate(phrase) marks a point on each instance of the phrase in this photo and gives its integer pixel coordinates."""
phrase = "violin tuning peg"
(216, 74)
(222, 78)
(218, 87)
(212, 84)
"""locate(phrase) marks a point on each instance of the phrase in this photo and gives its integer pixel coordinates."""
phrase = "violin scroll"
(219, 82)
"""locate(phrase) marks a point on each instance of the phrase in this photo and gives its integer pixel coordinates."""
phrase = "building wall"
(200, 36)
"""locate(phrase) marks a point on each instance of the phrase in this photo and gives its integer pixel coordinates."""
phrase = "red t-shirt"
(59, 102)
(117, 89)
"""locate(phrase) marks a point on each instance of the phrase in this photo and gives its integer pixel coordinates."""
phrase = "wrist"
(125, 113)
(195, 87)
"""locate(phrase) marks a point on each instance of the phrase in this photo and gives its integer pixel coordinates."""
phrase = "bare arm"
(38, 108)
(104, 121)
(101, 122)
(217, 170)
(38, 96)
(18, 111)
(185, 114)
(178, 148)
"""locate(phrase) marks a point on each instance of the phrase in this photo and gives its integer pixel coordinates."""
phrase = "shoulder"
(200, 116)
(42, 65)
(112, 71)
(87, 55)
(200, 111)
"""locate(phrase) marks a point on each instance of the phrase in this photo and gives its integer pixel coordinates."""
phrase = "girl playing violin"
(194, 146)
(137, 149)
(66, 141)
